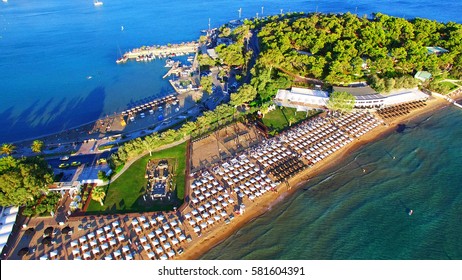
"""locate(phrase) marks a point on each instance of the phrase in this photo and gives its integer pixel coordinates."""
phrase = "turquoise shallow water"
(348, 214)
(49, 49)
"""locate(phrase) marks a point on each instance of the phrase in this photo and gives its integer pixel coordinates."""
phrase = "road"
(84, 159)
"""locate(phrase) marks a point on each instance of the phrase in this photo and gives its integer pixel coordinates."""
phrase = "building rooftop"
(423, 75)
(358, 92)
(212, 53)
(308, 92)
(394, 96)
(436, 50)
(301, 98)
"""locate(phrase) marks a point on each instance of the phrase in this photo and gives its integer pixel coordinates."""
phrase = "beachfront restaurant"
(368, 98)
(304, 99)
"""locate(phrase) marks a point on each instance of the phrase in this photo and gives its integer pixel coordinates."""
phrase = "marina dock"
(150, 106)
(153, 52)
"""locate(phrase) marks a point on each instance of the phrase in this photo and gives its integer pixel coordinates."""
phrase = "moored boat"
(122, 60)
(169, 63)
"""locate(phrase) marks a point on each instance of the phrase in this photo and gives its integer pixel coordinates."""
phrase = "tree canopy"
(98, 194)
(341, 101)
(245, 94)
(206, 60)
(342, 48)
(23, 180)
(37, 146)
(7, 149)
(231, 55)
(206, 83)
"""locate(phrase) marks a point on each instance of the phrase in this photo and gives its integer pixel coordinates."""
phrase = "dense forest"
(23, 180)
(339, 49)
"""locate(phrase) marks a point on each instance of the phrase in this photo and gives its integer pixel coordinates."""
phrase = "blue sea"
(57, 58)
(58, 70)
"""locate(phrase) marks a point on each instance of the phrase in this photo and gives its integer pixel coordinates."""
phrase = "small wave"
(327, 179)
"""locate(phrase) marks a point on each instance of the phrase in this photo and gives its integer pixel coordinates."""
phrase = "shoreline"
(213, 238)
(80, 134)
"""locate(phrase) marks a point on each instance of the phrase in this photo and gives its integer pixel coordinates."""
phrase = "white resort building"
(302, 99)
(366, 97)
(7, 222)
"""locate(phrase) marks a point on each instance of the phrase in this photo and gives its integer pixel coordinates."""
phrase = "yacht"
(98, 3)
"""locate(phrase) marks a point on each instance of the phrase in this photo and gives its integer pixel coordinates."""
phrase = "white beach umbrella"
(82, 239)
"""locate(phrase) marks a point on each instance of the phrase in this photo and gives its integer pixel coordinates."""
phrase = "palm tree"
(291, 119)
(37, 146)
(7, 149)
(98, 194)
(264, 109)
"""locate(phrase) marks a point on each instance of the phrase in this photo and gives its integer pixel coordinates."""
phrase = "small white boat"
(410, 212)
(122, 60)
(169, 63)
(98, 3)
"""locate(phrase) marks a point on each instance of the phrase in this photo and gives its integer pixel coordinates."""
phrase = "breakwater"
(149, 53)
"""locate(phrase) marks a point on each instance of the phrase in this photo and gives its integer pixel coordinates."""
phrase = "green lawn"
(125, 194)
(450, 86)
(278, 119)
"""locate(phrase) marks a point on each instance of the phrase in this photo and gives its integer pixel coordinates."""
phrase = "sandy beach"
(209, 240)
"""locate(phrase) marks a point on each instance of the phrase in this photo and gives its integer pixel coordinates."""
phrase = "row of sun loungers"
(400, 110)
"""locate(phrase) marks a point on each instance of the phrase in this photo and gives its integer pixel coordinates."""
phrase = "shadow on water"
(400, 128)
(406, 208)
(164, 91)
(53, 116)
